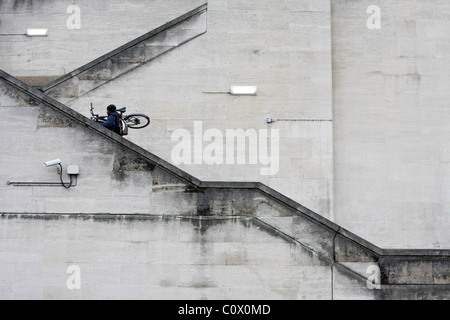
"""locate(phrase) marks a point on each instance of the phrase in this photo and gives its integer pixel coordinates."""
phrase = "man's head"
(111, 109)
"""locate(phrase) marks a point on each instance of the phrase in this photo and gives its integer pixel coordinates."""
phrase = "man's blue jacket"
(112, 121)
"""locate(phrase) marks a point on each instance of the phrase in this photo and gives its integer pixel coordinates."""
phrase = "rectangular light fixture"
(37, 32)
(244, 90)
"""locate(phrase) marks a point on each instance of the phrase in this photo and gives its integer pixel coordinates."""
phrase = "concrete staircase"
(405, 274)
(128, 57)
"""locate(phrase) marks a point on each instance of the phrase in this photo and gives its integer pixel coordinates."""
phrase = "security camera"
(52, 163)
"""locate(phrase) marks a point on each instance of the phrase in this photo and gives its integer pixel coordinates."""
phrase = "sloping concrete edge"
(124, 47)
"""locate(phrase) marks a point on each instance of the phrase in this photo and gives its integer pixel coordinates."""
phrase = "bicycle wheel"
(137, 121)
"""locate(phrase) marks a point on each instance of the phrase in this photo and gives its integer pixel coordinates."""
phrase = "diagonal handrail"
(124, 47)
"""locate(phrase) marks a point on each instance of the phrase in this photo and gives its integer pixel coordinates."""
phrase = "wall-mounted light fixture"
(237, 91)
(244, 90)
(37, 32)
(271, 120)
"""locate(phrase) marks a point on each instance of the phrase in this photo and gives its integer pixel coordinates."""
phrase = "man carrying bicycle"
(112, 123)
(116, 122)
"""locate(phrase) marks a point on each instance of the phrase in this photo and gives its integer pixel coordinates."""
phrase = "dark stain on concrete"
(125, 163)
(203, 204)
(50, 119)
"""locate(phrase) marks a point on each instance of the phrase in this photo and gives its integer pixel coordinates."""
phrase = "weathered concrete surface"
(347, 286)
(284, 48)
(390, 98)
(129, 56)
(120, 177)
(105, 26)
(413, 270)
(37, 81)
(388, 88)
(155, 258)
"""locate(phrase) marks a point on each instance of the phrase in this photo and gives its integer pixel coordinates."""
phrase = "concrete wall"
(34, 133)
(285, 51)
(284, 48)
(43, 230)
(134, 256)
(186, 258)
(155, 258)
(105, 25)
(390, 97)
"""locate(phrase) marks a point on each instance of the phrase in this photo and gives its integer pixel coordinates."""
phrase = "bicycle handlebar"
(92, 111)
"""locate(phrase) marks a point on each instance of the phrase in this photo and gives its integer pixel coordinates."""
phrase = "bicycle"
(133, 121)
